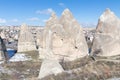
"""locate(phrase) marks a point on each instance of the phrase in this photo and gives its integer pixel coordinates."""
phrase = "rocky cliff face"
(107, 37)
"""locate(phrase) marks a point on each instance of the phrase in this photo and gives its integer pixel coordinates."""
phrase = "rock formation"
(3, 52)
(107, 37)
(2, 34)
(50, 67)
(39, 38)
(63, 39)
(26, 40)
(77, 44)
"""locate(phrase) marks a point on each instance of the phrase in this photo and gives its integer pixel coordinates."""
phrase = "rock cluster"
(63, 38)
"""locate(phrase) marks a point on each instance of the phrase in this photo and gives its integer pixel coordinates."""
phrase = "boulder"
(49, 67)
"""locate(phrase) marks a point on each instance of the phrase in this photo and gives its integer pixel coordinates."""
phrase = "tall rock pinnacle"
(107, 37)
(26, 41)
(64, 38)
(107, 15)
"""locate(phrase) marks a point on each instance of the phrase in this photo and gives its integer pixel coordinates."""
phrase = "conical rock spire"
(106, 41)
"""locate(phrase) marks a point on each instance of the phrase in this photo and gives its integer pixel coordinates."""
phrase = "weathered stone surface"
(2, 34)
(39, 38)
(63, 39)
(107, 37)
(75, 35)
(3, 52)
(49, 67)
(45, 48)
(26, 40)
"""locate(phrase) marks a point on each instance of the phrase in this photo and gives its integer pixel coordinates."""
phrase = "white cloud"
(45, 20)
(61, 4)
(45, 11)
(33, 19)
(2, 20)
(14, 20)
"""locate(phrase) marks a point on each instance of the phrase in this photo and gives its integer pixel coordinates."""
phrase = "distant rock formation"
(26, 40)
(2, 34)
(107, 37)
(50, 67)
(63, 39)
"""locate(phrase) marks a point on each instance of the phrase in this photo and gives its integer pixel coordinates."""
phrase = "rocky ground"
(87, 68)
(25, 69)
(101, 68)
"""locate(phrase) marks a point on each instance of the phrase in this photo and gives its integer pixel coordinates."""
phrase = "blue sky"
(36, 12)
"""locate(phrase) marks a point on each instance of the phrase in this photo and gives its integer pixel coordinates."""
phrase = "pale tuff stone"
(107, 37)
(26, 40)
(39, 38)
(63, 39)
(2, 34)
(49, 67)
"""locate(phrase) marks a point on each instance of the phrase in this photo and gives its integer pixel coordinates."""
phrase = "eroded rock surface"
(107, 36)
(26, 40)
(50, 67)
(63, 38)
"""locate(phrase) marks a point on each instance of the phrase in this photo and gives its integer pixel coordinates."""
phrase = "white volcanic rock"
(2, 34)
(63, 38)
(75, 36)
(50, 67)
(26, 40)
(46, 46)
(52, 20)
(107, 37)
(106, 15)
